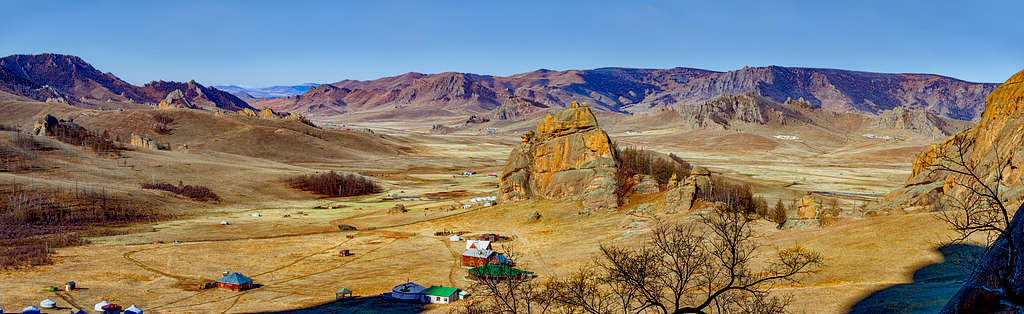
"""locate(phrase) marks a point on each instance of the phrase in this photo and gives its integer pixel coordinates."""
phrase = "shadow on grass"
(933, 284)
(368, 304)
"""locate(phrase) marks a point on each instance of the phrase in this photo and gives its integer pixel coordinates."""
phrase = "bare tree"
(979, 209)
(513, 293)
(686, 268)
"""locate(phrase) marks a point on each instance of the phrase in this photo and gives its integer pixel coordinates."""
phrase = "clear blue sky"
(257, 43)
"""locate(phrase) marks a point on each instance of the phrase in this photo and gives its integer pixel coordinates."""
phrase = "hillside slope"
(999, 132)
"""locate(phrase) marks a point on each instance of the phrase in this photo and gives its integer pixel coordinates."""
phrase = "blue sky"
(260, 43)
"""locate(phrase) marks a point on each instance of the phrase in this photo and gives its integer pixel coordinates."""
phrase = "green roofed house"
(498, 272)
(439, 294)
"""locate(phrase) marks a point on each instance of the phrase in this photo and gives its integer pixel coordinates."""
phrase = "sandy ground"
(291, 248)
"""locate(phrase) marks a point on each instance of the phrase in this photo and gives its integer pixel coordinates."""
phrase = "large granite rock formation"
(681, 194)
(568, 157)
(1000, 131)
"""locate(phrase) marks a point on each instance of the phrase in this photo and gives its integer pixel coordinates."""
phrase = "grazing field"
(287, 240)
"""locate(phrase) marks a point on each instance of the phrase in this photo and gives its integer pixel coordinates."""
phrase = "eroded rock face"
(682, 194)
(568, 157)
(175, 99)
(1000, 131)
(806, 207)
(139, 141)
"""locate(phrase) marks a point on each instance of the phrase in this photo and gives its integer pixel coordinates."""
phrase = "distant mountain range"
(69, 79)
(639, 90)
(64, 78)
(266, 92)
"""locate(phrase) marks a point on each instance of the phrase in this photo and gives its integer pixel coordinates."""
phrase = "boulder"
(682, 193)
(568, 157)
(645, 184)
(535, 215)
(45, 126)
(806, 208)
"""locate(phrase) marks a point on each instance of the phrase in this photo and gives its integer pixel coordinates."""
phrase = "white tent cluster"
(483, 199)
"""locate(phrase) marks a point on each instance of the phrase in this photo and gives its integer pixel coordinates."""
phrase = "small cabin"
(441, 295)
(235, 282)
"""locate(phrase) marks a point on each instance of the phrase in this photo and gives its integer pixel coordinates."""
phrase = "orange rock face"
(568, 157)
(806, 208)
(999, 134)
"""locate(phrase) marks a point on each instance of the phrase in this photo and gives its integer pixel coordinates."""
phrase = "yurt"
(224, 222)
(99, 306)
(408, 291)
(30, 310)
(47, 304)
(455, 237)
(133, 310)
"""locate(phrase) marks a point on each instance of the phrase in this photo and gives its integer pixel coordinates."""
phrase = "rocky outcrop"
(999, 134)
(979, 293)
(917, 120)
(142, 142)
(175, 99)
(568, 157)
(682, 193)
(514, 107)
(727, 110)
(645, 184)
(268, 113)
(45, 126)
(806, 207)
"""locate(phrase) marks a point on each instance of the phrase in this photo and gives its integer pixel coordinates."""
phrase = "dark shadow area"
(367, 304)
(933, 284)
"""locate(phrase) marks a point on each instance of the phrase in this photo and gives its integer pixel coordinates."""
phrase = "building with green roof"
(440, 294)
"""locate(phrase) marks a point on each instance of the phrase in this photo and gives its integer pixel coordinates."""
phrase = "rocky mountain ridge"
(639, 90)
(71, 80)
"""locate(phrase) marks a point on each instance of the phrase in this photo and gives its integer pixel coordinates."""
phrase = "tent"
(99, 306)
(407, 291)
(133, 310)
(30, 310)
(47, 304)
(224, 222)
(455, 237)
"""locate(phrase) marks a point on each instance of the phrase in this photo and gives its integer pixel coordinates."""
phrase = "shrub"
(33, 220)
(77, 135)
(194, 192)
(641, 161)
(334, 184)
(737, 197)
(163, 122)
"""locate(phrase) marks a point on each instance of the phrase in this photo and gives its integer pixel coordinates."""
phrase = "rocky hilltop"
(999, 132)
(639, 90)
(919, 121)
(568, 157)
(71, 80)
(748, 108)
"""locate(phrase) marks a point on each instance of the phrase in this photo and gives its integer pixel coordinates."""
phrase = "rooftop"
(440, 291)
(235, 278)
